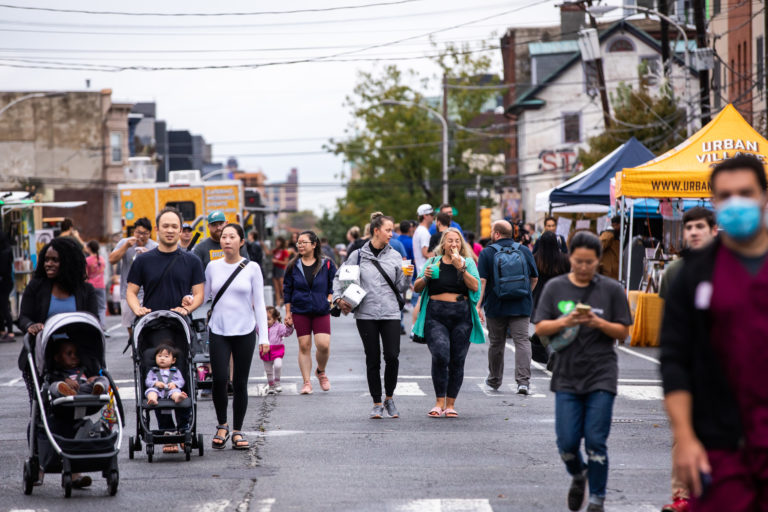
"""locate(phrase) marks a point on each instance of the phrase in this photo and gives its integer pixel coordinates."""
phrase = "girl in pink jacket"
(273, 360)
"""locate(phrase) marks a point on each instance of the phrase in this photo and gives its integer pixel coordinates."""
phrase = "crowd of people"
(711, 358)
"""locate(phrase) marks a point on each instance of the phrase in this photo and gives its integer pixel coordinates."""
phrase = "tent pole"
(629, 251)
(621, 239)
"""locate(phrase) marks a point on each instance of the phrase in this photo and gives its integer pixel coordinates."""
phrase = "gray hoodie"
(380, 302)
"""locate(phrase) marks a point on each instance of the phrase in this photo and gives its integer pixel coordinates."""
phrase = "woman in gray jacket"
(378, 315)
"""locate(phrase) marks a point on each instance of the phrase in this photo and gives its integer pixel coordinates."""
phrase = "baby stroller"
(63, 435)
(150, 331)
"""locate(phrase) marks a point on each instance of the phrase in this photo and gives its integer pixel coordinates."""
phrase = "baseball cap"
(216, 216)
(424, 209)
(186, 225)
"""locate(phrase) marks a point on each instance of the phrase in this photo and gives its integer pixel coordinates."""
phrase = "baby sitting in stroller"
(69, 378)
(164, 380)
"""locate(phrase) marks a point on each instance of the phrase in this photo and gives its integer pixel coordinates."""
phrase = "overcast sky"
(270, 118)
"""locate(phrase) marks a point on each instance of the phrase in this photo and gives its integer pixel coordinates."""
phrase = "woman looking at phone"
(585, 372)
(448, 320)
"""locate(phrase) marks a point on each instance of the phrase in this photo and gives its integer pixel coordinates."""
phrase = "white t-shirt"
(420, 239)
(241, 306)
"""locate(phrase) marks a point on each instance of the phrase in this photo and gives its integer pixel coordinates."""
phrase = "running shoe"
(389, 405)
(306, 389)
(678, 505)
(271, 390)
(377, 412)
(278, 387)
(522, 389)
(595, 507)
(322, 378)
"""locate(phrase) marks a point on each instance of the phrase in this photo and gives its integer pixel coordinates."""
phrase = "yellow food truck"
(185, 191)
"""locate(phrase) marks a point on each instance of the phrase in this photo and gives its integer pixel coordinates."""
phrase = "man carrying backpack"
(508, 274)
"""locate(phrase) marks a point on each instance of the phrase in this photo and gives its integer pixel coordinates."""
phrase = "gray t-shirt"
(589, 363)
(127, 261)
(208, 250)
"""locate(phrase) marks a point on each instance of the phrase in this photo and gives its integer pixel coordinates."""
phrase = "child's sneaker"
(98, 389)
(271, 390)
(65, 390)
(278, 387)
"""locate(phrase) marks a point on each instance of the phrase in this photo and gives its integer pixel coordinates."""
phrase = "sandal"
(450, 413)
(81, 482)
(435, 412)
(236, 442)
(222, 439)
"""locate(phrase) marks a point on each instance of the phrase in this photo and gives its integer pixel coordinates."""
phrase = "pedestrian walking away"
(508, 276)
(273, 360)
(713, 355)
(699, 230)
(125, 253)
(384, 279)
(167, 273)
(94, 268)
(280, 258)
(6, 287)
(448, 321)
(583, 313)
(237, 313)
(307, 291)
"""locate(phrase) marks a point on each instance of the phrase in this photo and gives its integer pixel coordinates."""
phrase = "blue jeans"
(585, 416)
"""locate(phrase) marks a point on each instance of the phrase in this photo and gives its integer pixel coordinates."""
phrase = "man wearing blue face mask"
(713, 350)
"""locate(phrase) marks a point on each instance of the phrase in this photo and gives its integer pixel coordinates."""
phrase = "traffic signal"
(485, 222)
(252, 198)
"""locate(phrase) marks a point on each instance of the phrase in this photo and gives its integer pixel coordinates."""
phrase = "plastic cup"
(435, 270)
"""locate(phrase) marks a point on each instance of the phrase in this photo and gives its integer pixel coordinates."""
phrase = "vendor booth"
(681, 173)
(21, 217)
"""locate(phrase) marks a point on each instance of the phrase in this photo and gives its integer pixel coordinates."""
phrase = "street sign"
(471, 193)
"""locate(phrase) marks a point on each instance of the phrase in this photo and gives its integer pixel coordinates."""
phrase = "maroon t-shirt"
(739, 307)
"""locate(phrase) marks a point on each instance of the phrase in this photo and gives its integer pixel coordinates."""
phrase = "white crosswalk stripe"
(442, 505)
(406, 389)
(641, 392)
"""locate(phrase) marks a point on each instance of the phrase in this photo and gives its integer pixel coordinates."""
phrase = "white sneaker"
(278, 387)
(522, 389)
(271, 390)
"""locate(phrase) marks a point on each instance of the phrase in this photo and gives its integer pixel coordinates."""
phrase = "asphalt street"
(321, 452)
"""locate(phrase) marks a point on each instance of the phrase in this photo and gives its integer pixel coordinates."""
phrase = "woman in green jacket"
(450, 288)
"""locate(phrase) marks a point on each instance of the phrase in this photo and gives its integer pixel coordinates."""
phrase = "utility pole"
(663, 9)
(600, 74)
(445, 148)
(701, 42)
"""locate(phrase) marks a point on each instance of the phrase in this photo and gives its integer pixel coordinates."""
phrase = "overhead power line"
(206, 14)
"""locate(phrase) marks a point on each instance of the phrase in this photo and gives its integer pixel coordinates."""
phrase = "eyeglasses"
(301, 242)
(141, 233)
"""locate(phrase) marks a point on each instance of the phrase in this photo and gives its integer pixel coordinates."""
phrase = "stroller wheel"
(187, 451)
(66, 483)
(130, 447)
(150, 452)
(29, 479)
(137, 444)
(112, 481)
(200, 449)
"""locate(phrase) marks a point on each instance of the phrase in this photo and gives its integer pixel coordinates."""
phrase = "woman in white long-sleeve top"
(240, 309)
(378, 315)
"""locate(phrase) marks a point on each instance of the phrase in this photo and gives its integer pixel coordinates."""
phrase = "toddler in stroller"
(164, 380)
(69, 378)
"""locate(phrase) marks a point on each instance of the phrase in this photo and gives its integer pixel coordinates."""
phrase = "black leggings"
(389, 331)
(6, 320)
(447, 330)
(241, 349)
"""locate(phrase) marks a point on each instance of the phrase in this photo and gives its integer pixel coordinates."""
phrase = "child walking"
(273, 360)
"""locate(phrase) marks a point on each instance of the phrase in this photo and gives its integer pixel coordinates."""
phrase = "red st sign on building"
(564, 160)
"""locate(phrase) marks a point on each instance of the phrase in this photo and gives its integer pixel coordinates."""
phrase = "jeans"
(389, 332)
(447, 329)
(101, 299)
(497, 336)
(585, 416)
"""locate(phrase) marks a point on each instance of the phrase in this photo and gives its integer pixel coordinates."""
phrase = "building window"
(572, 127)
(116, 147)
(715, 7)
(620, 44)
(651, 69)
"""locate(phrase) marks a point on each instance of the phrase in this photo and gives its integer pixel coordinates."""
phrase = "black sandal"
(236, 442)
(219, 446)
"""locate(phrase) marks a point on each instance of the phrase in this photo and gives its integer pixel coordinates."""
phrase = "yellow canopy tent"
(683, 171)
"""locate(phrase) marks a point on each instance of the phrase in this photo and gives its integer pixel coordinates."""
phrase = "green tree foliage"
(394, 151)
(656, 121)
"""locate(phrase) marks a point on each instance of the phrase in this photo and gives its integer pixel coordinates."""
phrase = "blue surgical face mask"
(739, 217)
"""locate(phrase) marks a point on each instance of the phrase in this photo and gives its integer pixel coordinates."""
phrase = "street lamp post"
(444, 122)
(30, 96)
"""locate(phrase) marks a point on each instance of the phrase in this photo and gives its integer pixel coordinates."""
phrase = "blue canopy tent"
(590, 190)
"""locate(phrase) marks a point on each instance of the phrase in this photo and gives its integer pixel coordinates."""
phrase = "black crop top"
(450, 281)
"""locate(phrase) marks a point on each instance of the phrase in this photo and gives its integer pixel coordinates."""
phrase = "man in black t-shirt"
(166, 289)
(442, 223)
